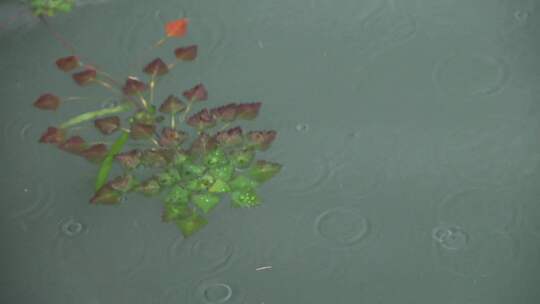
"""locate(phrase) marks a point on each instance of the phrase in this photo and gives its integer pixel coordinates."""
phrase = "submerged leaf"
(74, 144)
(174, 212)
(106, 195)
(85, 77)
(107, 125)
(172, 104)
(52, 136)
(177, 28)
(68, 63)
(191, 224)
(196, 93)
(187, 53)
(95, 153)
(157, 67)
(206, 201)
(263, 170)
(178, 195)
(248, 111)
(47, 101)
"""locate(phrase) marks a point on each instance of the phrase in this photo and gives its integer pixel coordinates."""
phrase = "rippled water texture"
(408, 131)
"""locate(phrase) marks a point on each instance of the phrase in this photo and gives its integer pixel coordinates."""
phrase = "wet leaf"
(107, 125)
(129, 160)
(224, 172)
(155, 158)
(245, 198)
(196, 93)
(149, 187)
(170, 137)
(219, 186)
(177, 28)
(180, 158)
(205, 201)
(242, 158)
(261, 140)
(141, 131)
(248, 111)
(173, 212)
(95, 153)
(74, 144)
(263, 170)
(242, 182)
(187, 53)
(215, 158)
(202, 120)
(202, 144)
(124, 183)
(133, 86)
(85, 77)
(68, 63)
(172, 104)
(178, 196)
(106, 164)
(230, 137)
(191, 170)
(106, 195)
(52, 136)
(157, 67)
(169, 177)
(191, 224)
(226, 113)
(47, 101)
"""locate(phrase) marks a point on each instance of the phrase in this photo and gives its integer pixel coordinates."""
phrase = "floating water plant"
(50, 7)
(190, 159)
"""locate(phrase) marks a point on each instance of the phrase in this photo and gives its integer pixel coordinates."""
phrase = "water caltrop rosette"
(195, 157)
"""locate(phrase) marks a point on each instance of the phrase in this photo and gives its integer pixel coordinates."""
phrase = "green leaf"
(149, 187)
(242, 182)
(205, 201)
(245, 198)
(215, 158)
(169, 177)
(174, 212)
(191, 225)
(106, 165)
(242, 158)
(223, 172)
(124, 107)
(262, 170)
(200, 184)
(191, 170)
(177, 195)
(219, 186)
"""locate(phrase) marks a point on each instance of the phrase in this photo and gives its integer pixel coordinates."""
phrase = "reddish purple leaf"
(248, 111)
(229, 137)
(202, 120)
(203, 143)
(68, 63)
(133, 86)
(47, 101)
(149, 187)
(171, 137)
(261, 139)
(156, 67)
(187, 53)
(225, 113)
(95, 153)
(107, 125)
(172, 104)
(85, 77)
(74, 144)
(129, 160)
(52, 136)
(142, 131)
(197, 93)
(154, 158)
(123, 183)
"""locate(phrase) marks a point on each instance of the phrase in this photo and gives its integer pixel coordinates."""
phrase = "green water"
(409, 133)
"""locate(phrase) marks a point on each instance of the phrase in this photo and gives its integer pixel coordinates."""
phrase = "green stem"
(95, 114)
(106, 165)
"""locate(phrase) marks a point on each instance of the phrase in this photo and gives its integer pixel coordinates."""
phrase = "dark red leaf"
(197, 93)
(142, 131)
(95, 153)
(187, 53)
(47, 101)
(52, 136)
(203, 143)
(248, 111)
(68, 63)
(202, 120)
(170, 137)
(129, 160)
(133, 86)
(225, 113)
(156, 67)
(229, 137)
(85, 77)
(261, 139)
(172, 104)
(107, 125)
(74, 144)
(106, 195)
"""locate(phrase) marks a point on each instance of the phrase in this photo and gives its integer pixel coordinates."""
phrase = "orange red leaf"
(177, 28)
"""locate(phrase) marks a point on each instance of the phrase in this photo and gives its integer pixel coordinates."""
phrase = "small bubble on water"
(521, 16)
(302, 127)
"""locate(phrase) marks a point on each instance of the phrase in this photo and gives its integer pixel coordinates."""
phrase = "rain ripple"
(208, 255)
(217, 290)
(20, 138)
(113, 245)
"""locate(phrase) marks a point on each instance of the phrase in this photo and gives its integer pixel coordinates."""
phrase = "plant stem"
(143, 101)
(173, 120)
(124, 107)
(188, 108)
(152, 85)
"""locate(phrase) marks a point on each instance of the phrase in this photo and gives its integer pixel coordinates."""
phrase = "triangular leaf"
(205, 201)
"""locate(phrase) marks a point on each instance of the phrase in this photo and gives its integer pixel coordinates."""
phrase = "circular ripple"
(470, 75)
(19, 139)
(342, 226)
(490, 209)
(209, 255)
(216, 291)
(110, 242)
(450, 237)
(474, 253)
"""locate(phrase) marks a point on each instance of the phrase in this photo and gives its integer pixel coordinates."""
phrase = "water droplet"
(342, 226)
(302, 127)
